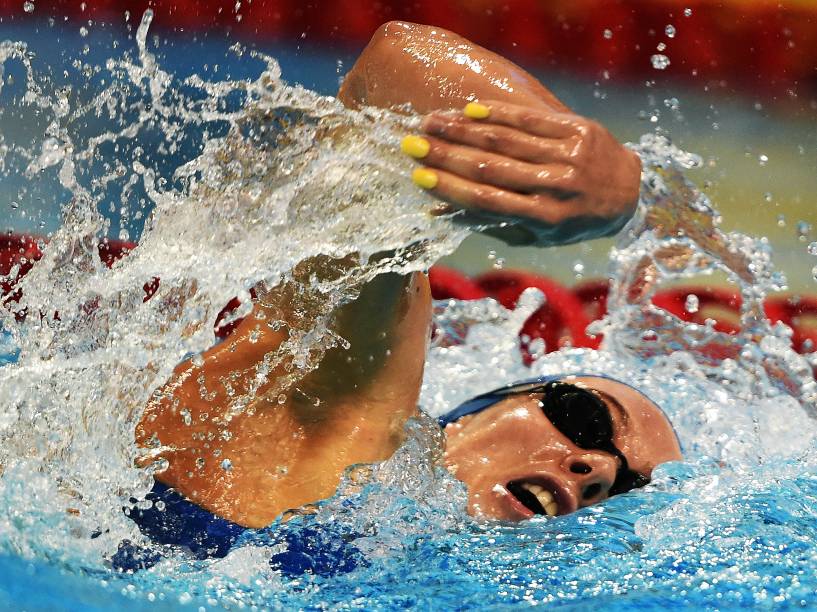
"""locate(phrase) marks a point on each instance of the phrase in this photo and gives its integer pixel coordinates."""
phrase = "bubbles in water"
(659, 61)
(762, 159)
(28, 6)
(670, 31)
(687, 12)
(812, 248)
(608, 33)
(803, 230)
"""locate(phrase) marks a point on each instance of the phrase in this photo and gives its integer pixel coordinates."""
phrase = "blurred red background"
(764, 46)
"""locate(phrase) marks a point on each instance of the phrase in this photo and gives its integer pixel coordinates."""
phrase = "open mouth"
(534, 497)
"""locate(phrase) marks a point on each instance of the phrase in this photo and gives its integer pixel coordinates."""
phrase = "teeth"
(545, 497)
(533, 488)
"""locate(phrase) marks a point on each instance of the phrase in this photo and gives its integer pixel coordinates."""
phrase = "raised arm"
(432, 69)
(519, 154)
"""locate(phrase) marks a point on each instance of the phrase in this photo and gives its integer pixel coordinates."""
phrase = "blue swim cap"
(486, 400)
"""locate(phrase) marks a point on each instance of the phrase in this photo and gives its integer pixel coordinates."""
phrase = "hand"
(565, 173)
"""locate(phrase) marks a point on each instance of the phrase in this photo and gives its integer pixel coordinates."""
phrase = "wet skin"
(529, 159)
(514, 442)
(523, 154)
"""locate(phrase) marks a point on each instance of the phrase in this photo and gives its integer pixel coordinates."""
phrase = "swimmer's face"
(516, 463)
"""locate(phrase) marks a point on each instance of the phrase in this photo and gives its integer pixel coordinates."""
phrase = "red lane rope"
(561, 321)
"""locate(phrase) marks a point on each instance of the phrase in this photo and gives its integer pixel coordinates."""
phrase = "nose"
(592, 473)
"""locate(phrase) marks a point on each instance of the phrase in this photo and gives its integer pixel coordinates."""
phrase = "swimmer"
(493, 141)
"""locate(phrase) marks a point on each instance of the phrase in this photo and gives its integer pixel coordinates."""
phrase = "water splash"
(282, 178)
(242, 180)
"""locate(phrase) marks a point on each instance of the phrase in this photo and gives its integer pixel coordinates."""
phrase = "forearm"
(532, 173)
(433, 69)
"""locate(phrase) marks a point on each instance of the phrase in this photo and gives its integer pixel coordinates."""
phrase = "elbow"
(382, 58)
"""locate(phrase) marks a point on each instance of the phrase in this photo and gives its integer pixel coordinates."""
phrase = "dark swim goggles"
(578, 413)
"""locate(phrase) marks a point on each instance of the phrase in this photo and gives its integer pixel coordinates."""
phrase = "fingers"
(535, 121)
(470, 194)
(500, 158)
(488, 168)
(495, 138)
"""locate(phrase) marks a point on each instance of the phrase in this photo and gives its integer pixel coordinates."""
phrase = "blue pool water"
(732, 526)
(698, 536)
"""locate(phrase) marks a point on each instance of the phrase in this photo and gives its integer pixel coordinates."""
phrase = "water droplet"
(282, 398)
(661, 46)
(803, 229)
(692, 303)
(14, 205)
(672, 103)
(762, 159)
(608, 34)
(781, 220)
(670, 31)
(687, 12)
(767, 196)
(578, 267)
(812, 249)
(28, 6)
(659, 61)
(499, 263)
(226, 465)
(83, 31)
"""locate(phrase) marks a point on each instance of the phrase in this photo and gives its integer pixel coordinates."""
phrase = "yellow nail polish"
(425, 178)
(475, 110)
(415, 146)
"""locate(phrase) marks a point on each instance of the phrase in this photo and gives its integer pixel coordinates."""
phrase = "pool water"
(225, 181)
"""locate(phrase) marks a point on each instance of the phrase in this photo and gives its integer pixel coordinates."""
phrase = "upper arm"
(432, 68)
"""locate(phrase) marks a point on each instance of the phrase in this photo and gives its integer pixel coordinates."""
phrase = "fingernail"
(475, 110)
(415, 146)
(425, 178)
